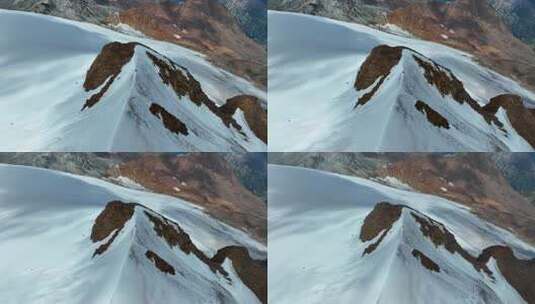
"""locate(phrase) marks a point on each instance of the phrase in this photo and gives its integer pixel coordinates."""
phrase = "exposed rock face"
(377, 66)
(379, 221)
(107, 66)
(473, 26)
(253, 273)
(255, 115)
(172, 123)
(160, 263)
(522, 118)
(111, 219)
(432, 116)
(519, 273)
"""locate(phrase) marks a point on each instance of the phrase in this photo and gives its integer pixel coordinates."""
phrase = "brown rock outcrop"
(111, 219)
(255, 115)
(253, 273)
(172, 123)
(107, 66)
(432, 116)
(160, 263)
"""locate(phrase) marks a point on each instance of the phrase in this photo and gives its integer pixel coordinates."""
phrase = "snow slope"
(313, 63)
(314, 239)
(44, 61)
(47, 255)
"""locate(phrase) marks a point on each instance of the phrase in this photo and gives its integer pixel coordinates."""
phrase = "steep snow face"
(316, 238)
(313, 63)
(62, 241)
(45, 62)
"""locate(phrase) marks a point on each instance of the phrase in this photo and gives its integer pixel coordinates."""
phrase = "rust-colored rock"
(519, 273)
(472, 26)
(253, 273)
(377, 65)
(522, 118)
(471, 179)
(204, 179)
(205, 26)
(160, 263)
(111, 219)
(172, 123)
(432, 116)
(426, 261)
(107, 66)
(379, 221)
(255, 115)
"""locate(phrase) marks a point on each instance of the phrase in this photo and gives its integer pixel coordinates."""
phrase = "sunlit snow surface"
(315, 253)
(46, 219)
(43, 64)
(313, 63)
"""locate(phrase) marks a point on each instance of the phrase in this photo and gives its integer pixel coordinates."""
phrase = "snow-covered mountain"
(373, 243)
(73, 239)
(338, 86)
(70, 86)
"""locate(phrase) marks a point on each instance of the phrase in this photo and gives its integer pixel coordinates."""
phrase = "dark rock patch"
(447, 84)
(184, 84)
(253, 273)
(175, 236)
(172, 123)
(255, 115)
(377, 65)
(160, 263)
(112, 218)
(432, 116)
(381, 219)
(108, 65)
(441, 236)
(522, 118)
(520, 274)
(426, 262)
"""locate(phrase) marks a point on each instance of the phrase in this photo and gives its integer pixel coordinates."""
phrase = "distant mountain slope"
(202, 25)
(251, 15)
(472, 26)
(98, 90)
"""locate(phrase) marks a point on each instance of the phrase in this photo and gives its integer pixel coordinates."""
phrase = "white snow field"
(46, 254)
(313, 63)
(315, 219)
(43, 64)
